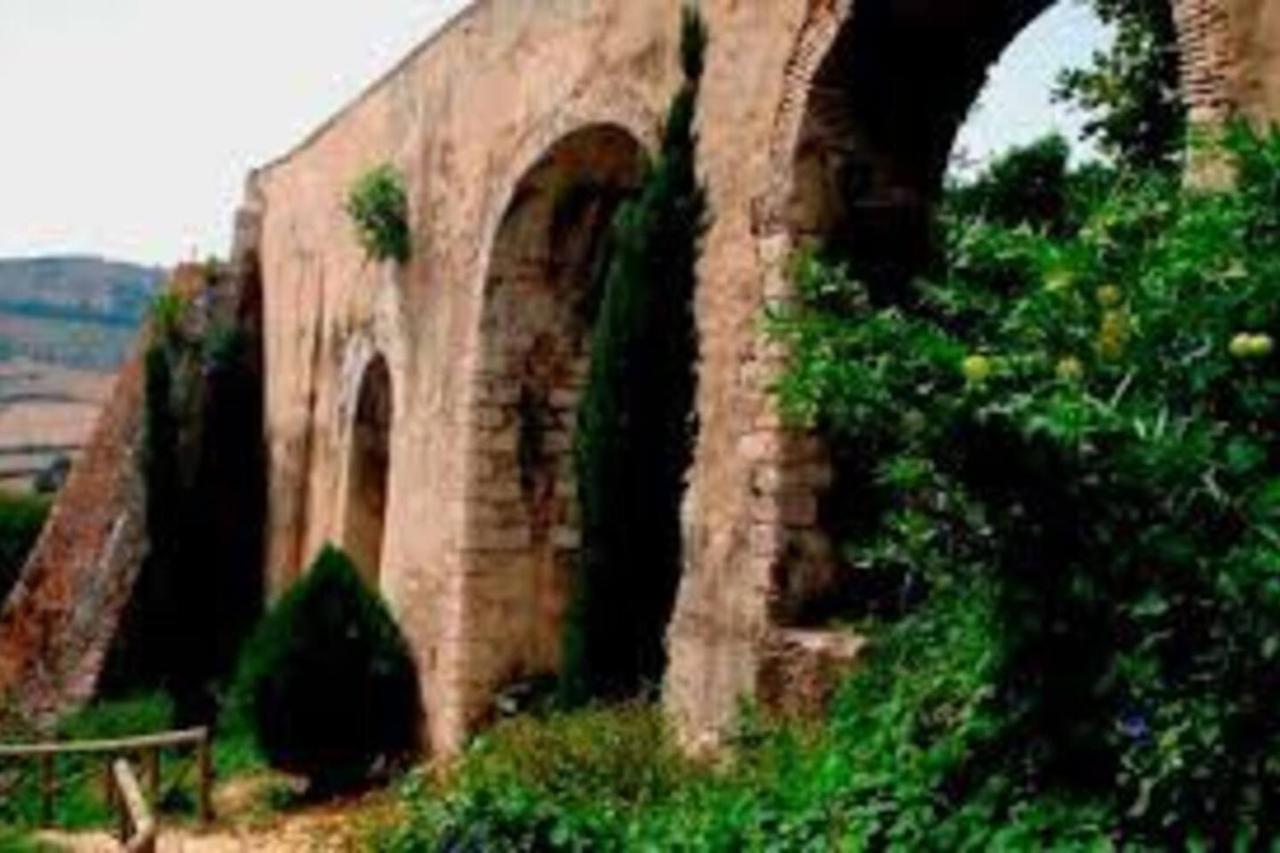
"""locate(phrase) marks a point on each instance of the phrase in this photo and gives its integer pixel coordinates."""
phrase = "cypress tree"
(636, 423)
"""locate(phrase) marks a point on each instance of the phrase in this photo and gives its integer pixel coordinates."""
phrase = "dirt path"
(339, 826)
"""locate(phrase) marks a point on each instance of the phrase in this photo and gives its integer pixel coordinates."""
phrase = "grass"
(13, 840)
(80, 802)
(21, 518)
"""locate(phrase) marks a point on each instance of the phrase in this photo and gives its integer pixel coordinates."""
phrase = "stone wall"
(517, 127)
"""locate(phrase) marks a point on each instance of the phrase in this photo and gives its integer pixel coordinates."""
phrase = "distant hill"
(74, 311)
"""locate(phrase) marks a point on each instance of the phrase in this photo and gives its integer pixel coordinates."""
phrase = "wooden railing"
(137, 826)
(124, 791)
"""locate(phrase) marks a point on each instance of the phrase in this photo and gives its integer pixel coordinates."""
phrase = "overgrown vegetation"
(379, 209)
(326, 683)
(22, 518)
(1070, 450)
(635, 423)
(200, 584)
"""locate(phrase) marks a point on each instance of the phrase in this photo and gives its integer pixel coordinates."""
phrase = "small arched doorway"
(368, 471)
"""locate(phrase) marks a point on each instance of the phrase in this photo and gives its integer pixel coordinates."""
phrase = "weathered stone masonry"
(518, 128)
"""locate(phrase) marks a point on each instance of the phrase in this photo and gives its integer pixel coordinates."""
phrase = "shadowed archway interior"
(541, 294)
(369, 471)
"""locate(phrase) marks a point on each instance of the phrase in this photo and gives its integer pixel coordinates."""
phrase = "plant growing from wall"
(326, 683)
(635, 423)
(379, 208)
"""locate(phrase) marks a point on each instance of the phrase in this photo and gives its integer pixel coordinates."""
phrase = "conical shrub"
(326, 683)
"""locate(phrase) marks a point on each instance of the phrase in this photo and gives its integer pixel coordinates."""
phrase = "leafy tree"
(1132, 92)
(635, 424)
(326, 683)
(1024, 185)
(149, 646)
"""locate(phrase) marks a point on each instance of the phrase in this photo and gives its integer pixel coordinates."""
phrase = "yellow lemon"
(1241, 345)
(1261, 346)
(1109, 296)
(1070, 369)
(976, 368)
(1113, 336)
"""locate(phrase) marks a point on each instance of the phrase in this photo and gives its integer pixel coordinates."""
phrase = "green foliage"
(22, 518)
(379, 208)
(80, 802)
(1132, 92)
(1025, 185)
(13, 840)
(889, 771)
(562, 782)
(1070, 440)
(1082, 422)
(326, 682)
(635, 423)
(168, 315)
(200, 584)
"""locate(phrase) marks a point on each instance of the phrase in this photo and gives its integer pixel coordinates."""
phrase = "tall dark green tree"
(199, 588)
(1132, 91)
(636, 423)
(146, 650)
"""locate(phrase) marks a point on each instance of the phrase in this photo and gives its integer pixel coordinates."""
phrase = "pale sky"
(127, 126)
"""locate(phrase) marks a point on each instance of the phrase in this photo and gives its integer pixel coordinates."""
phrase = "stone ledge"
(800, 670)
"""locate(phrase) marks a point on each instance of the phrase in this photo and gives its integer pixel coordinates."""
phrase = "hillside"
(74, 311)
(66, 325)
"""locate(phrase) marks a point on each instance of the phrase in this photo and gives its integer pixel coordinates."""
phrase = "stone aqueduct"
(394, 395)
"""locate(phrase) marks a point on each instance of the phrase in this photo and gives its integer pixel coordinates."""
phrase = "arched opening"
(870, 158)
(883, 112)
(368, 472)
(541, 295)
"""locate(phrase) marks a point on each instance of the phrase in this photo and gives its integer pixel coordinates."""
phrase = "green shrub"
(562, 782)
(326, 682)
(22, 518)
(379, 209)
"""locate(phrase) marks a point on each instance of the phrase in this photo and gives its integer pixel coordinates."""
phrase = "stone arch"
(537, 303)
(859, 151)
(369, 470)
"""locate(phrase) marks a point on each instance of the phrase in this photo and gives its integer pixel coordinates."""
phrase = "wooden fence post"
(204, 761)
(47, 786)
(151, 774)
